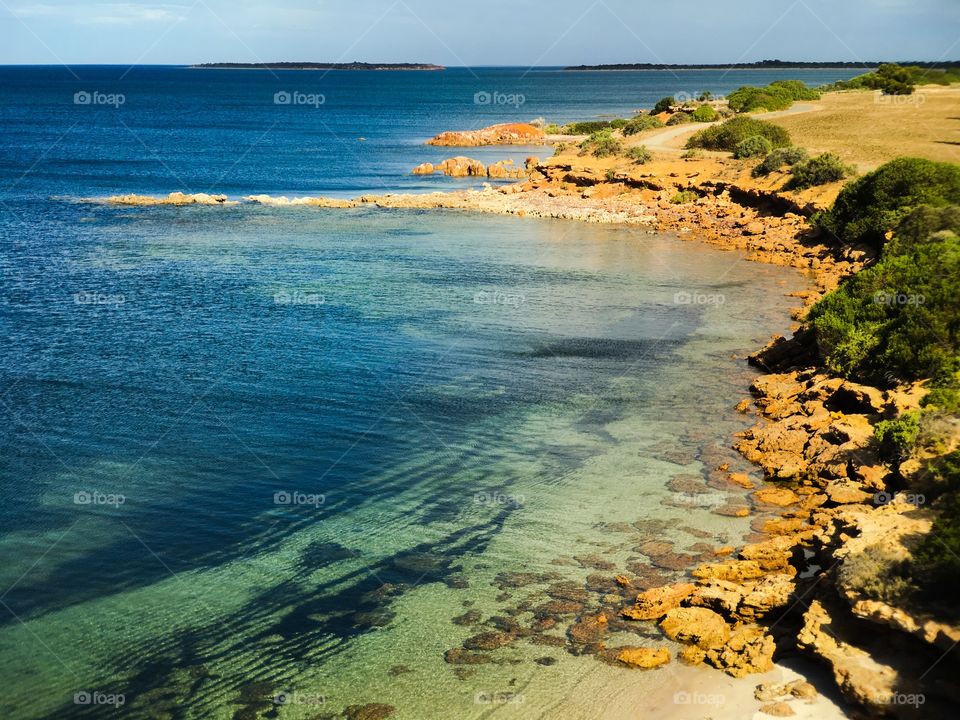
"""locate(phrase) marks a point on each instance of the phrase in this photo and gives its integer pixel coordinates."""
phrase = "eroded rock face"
(461, 166)
(502, 134)
(696, 626)
(858, 675)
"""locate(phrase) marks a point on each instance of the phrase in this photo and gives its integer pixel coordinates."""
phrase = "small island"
(319, 66)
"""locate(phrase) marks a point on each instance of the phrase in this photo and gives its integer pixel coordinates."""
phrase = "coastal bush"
(663, 105)
(870, 207)
(641, 123)
(602, 144)
(778, 158)
(618, 123)
(899, 318)
(820, 170)
(778, 95)
(553, 129)
(705, 113)
(639, 154)
(921, 224)
(680, 118)
(727, 135)
(559, 149)
(683, 197)
(898, 437)
(705, 96)
(753, 146)
(586, 127)
(692, 154)
(877, 574)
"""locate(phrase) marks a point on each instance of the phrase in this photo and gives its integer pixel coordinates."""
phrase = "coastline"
(803, 516)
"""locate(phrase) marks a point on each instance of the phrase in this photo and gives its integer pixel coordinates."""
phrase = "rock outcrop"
(502, 134)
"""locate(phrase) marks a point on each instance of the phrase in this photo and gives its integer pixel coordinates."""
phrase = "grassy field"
(866, 129)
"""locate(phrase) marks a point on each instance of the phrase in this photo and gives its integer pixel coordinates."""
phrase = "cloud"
(105, 13)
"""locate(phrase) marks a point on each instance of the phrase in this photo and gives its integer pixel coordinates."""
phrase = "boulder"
(656, 602)
(424, 169)
(462, 167)
(781, 497)
(696, 626)
(730, 570)
(749, 650)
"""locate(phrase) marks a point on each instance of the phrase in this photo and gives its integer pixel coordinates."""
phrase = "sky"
(491, 32)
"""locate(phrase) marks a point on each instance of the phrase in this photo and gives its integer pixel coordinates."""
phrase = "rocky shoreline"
(828, 497)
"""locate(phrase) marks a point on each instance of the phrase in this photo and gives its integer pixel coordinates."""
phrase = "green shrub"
(641, 123)
(870, 207)
(778, 95)
(553, 129)
(618, 123)
(705, 113)
(587, 127)
(705, 96)
(680, 118)
(877, 574)
(683, 197)
(899, 318)
(639, 154)
(602, 144)
(898, 437)
(559, 149)
(692, 154)
(664, 105)
(730, 133)
(891, 80)
(820, 170)
(753, 146)
(778, 158)
(922, 224)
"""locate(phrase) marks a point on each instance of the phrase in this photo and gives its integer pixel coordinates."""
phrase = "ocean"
(279, 462)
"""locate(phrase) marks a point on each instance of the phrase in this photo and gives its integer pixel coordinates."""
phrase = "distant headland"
(763, 64)
(319, 66)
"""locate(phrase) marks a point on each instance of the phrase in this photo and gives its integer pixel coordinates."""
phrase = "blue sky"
(490, 32)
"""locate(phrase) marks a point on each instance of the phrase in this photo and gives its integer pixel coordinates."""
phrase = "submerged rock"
(644, 658)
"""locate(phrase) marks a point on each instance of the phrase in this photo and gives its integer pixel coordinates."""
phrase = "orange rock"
(654, 603)
(503, 134)
(644, 658)
(781, 497)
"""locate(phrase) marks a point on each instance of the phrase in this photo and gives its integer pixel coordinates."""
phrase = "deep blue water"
(220, 130)
(450, 397)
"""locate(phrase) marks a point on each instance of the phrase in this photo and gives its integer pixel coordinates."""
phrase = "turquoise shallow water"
(333, 433)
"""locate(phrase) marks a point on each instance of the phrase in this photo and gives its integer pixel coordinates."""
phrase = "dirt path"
(668, 140)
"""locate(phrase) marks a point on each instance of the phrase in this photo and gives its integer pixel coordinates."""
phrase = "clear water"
(442, 397)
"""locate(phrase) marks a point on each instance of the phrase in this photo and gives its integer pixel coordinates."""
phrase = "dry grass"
(867, 131)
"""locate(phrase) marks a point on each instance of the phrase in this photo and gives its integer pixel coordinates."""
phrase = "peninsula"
(318, 66)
